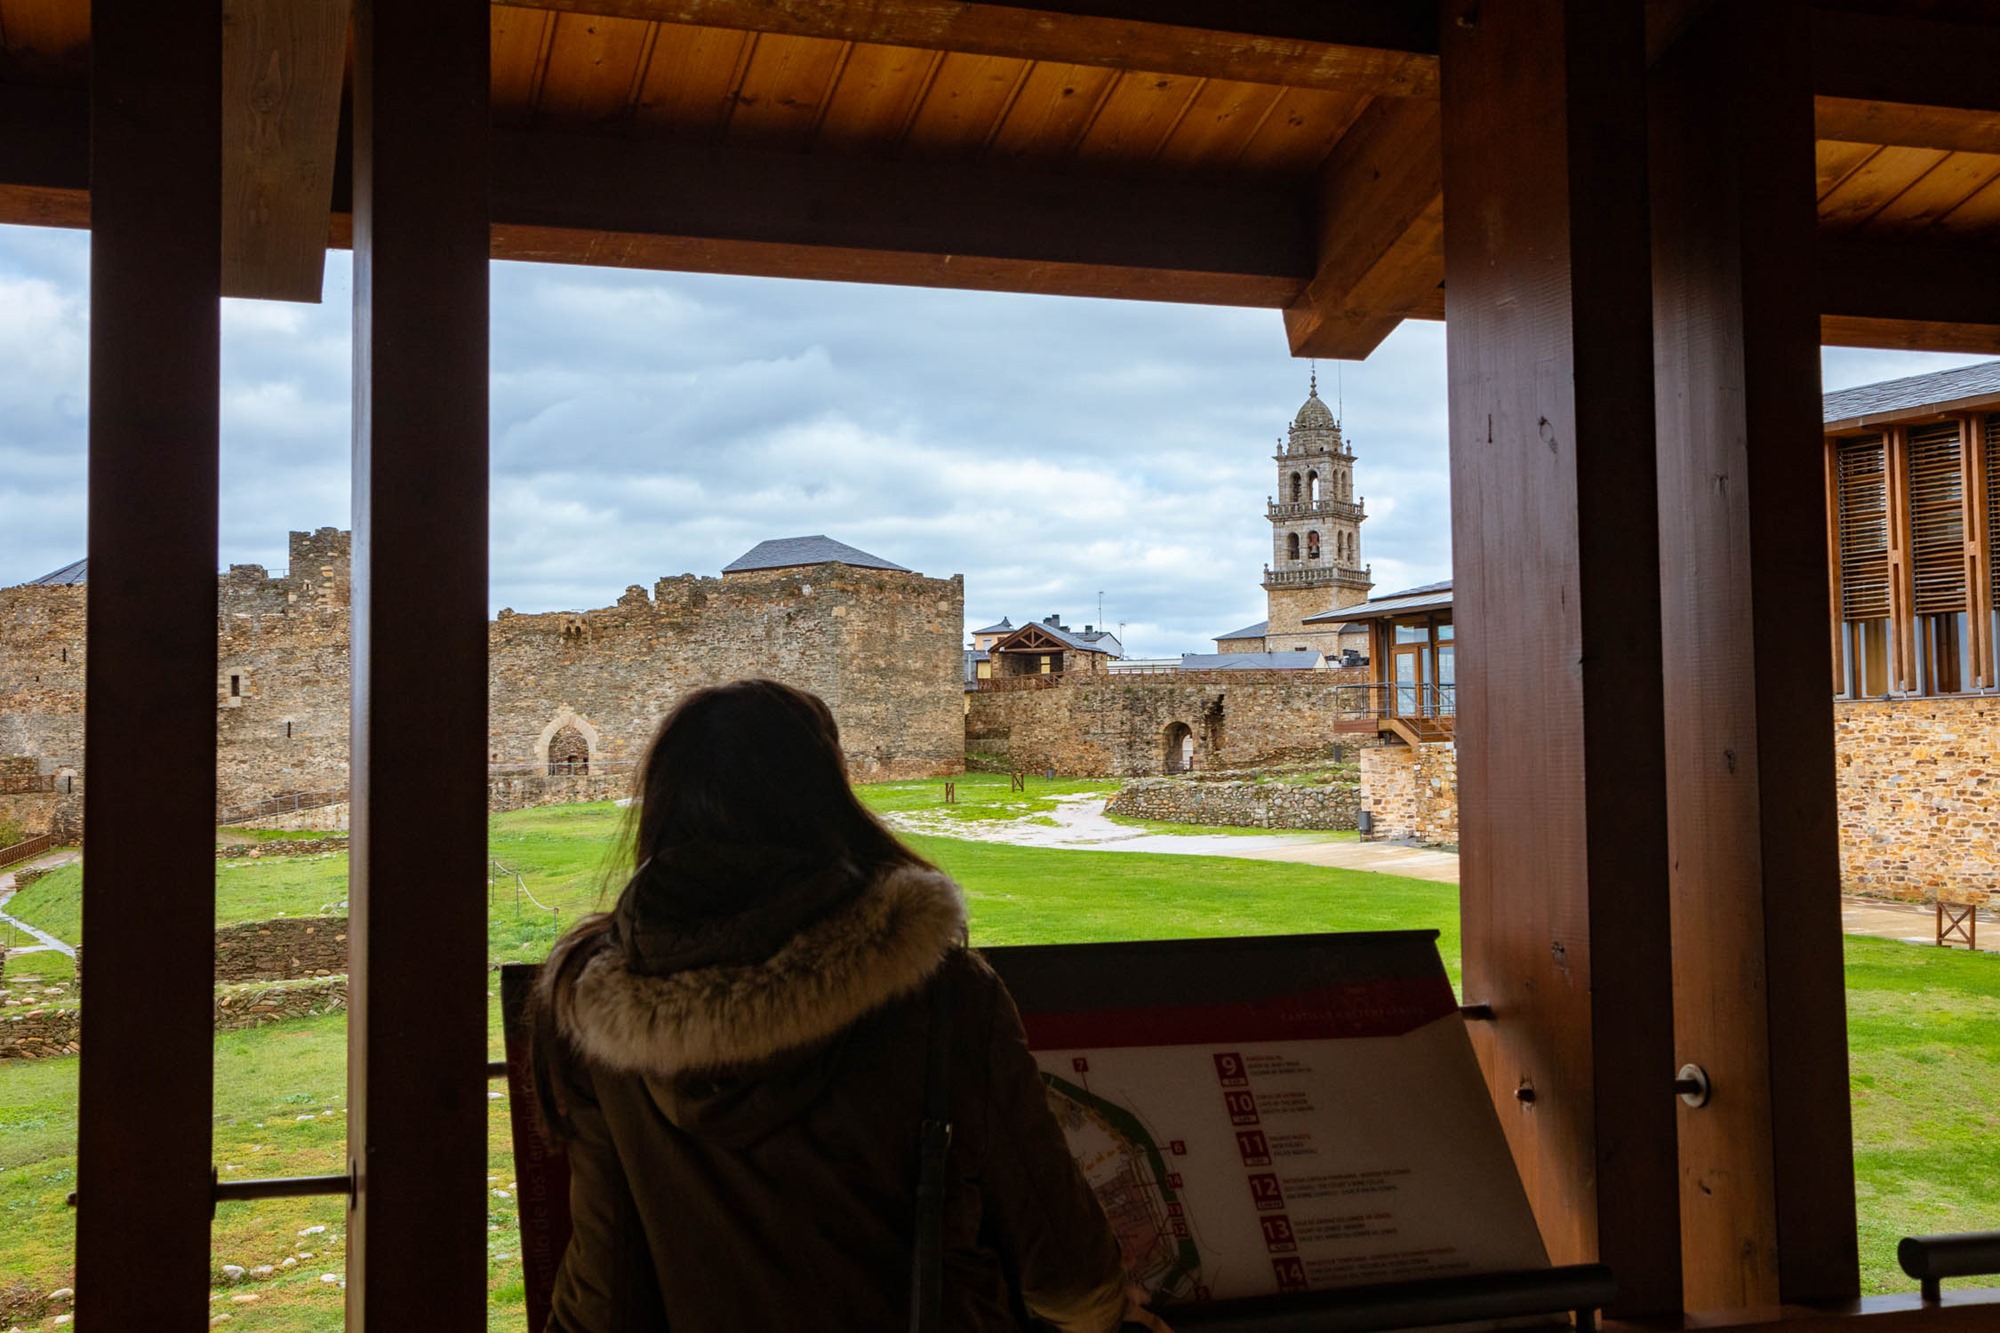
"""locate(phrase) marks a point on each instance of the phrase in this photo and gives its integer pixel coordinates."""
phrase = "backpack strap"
(934, 1147)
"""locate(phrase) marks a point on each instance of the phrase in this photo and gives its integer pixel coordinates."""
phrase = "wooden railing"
(21, 851)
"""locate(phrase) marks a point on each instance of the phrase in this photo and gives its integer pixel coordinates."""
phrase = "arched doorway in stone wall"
(569, 752)
(1177, 748)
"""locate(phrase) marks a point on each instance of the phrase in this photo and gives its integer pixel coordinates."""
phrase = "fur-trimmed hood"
(875, 948)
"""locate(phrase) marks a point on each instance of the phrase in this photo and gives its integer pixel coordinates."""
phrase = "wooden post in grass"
(951, 793)
(1018, 782)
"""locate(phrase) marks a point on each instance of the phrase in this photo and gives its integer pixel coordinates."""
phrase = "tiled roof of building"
(1074, 638)
(1005, 626)
(1427, 597)
(819, 549)
(1296, 660)
(1256, 631)
(73, 572)
(1911, 393)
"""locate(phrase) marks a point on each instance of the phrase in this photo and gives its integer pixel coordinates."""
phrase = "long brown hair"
(754, 763)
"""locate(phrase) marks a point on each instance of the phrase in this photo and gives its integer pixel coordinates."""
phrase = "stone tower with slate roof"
(1315, 532)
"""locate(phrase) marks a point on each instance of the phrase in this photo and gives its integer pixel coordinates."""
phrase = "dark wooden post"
(145, 1097)
(417, 1030)
(1561, 789)
(1767, 1169)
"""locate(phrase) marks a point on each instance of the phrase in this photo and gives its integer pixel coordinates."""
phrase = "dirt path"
(1078, 823)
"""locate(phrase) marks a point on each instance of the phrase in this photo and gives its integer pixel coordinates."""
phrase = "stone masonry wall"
(1918, 782)
(279, 950)
(1411, 792)
(1236, 804)
(881, 647)
(1117, 725)
(42, 1031)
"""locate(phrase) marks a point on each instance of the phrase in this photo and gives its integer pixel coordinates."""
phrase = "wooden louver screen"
(1937, 520)
(1992, 425)
(1862, 479)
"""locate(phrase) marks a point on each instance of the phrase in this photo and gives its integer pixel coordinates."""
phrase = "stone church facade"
(569, 692)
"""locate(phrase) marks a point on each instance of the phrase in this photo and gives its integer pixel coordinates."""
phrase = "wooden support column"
(145, 1096)
(1978, 543)
(1561, 788)
(417, 1025)
(1767, 1179)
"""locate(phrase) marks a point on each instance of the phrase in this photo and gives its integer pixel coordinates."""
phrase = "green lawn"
(1924, 1034)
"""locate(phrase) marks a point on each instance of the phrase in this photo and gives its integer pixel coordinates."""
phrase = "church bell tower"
(1315, 532)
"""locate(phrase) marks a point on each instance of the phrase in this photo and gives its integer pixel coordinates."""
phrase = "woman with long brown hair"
(774, 1044)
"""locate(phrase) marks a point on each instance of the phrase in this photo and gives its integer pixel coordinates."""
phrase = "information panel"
(1294, 1113)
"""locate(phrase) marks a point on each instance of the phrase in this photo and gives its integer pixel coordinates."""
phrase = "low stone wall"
(307, 946)
(528, 791)
(332, 818)
(1236, 804)
(254, 851)
(37, 1033)
(1411, 792)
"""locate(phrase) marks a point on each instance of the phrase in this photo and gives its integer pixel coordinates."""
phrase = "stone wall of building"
(1411, 792)
(1124, 725)
(1919, 791)
(42, 1030)
(282, 949)
(882, 647)
(1180, 800)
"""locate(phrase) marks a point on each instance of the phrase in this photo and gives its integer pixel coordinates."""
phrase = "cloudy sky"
(646, 424)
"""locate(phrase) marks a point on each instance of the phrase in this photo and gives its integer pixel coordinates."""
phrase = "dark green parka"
(745, 1135)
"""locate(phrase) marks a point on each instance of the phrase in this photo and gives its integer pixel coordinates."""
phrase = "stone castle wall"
(1918, 782)
(1117, 725)
(882, 647)
(282, 949)
(1179, 800)
(1411, 792)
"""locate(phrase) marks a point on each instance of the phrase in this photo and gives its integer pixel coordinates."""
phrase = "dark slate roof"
(1005, 626)
(72, 572)
(1427, 597)
(1912, 393)
(1074, 638)
(1296, 660)
(819, 549)
(1256, 631)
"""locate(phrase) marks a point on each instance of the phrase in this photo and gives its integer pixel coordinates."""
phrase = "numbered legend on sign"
(1291, 1274)
(1229, 1069)
(1242, 1108)
(1278, 1238)
(1265, 1193)
(1252, 1145)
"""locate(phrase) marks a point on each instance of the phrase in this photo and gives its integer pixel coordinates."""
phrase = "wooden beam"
(1880, 293)
(1767, 1196)
(284, 65)
(1380, 219)
(1381, 47)
(1890, 79)
(417, 1000)
(149, 740)
(597, 199)
(44, 157)
(1562, 800)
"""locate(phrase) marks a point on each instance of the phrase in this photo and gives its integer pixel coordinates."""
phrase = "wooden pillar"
(1978, 543)
(145, 1097)
(1767, 1197)
(417, 1027)
(1561, 789)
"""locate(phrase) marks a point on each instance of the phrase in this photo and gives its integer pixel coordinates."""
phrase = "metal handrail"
(1930, 1259)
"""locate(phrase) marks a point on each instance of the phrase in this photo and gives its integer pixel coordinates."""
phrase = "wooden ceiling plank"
(1381, 182)
(284, 62)
(1056, 106)
(1873, 184)
(1300, 132)
(592, 65)
(1938, 193)
(1366, 46)
(779, 100)
(1220, 121)
(685, 92)
(1978, 216)
(873, 98)
(967, 100)
(520, 40)
(1837, 160)
(1136, 118)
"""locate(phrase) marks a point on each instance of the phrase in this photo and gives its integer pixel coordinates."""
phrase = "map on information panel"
(1272, 1115)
